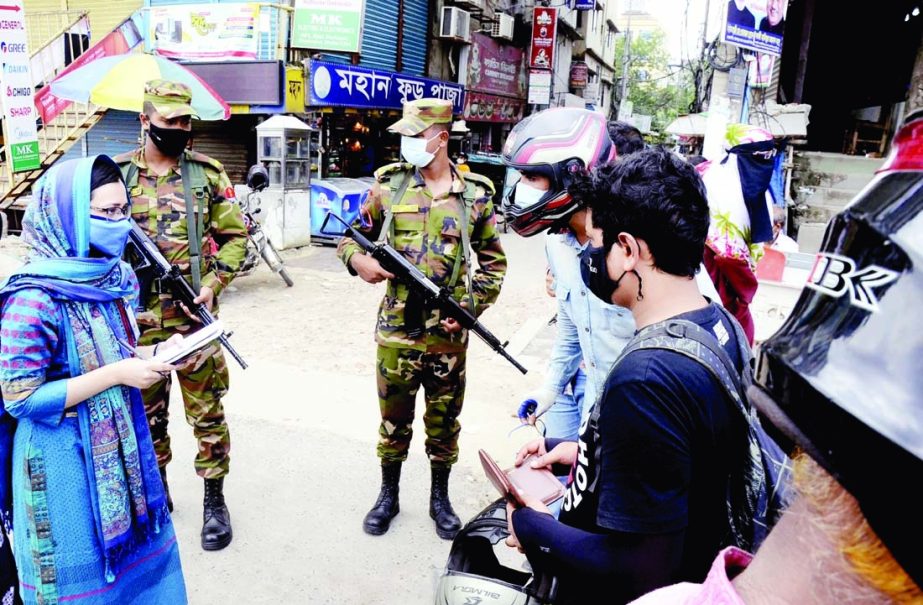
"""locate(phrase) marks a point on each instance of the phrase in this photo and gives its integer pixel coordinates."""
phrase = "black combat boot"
(378, 520)
(216, 521)
(166, 488)
(440, 509)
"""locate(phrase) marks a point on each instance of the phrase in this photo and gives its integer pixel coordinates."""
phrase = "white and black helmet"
(474, 575)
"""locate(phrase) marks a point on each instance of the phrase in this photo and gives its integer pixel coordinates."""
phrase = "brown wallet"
(539, 483)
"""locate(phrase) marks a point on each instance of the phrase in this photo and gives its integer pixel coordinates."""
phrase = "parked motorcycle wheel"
(274, 261)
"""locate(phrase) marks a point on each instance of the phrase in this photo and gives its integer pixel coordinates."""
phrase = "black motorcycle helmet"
(257, 177)
(473, 570)
(843, 377)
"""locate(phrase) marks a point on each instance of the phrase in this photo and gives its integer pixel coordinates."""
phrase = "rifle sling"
(193, 228)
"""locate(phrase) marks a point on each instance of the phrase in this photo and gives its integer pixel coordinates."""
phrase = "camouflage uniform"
(159, 208)
(427, 231)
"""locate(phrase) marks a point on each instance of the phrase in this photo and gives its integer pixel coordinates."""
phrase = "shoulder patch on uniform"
(388, 170)
(480, 180)
(201, 158)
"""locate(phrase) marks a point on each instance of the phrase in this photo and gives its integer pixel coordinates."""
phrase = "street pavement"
(303, 421)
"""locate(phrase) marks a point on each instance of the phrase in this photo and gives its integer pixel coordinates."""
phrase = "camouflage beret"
(421, 114)
(170, 99)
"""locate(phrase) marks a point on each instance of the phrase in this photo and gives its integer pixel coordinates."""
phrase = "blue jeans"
(563, 418)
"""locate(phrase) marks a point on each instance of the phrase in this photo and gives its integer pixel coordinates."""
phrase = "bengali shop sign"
(339, 84)
(496, 68)
(544, 32)
(20, 133)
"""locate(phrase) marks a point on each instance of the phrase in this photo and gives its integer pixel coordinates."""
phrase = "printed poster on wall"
(539, 87)
(205, 31)
(328, 25)
(17, 96)
(756, 25)
(544, 30)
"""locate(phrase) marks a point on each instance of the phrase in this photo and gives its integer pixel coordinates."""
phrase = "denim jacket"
(589, 330)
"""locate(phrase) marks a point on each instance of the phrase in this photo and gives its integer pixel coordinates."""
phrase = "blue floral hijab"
(127, 494)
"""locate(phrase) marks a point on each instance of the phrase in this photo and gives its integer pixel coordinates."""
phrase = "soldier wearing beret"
(435, 216)
(184, 201)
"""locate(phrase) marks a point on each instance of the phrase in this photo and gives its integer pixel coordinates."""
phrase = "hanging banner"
(20, 133)
(539, 87)
(328, 25)
(544, 30)
(339, 84)
(761, 70)
(205, 31)
(480, 107)
(495, 67)
(115, 43)
(756, 25)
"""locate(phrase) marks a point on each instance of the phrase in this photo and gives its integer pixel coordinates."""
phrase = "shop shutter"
(117, 132)
(232, 142)
(415, 36)
(379, 36)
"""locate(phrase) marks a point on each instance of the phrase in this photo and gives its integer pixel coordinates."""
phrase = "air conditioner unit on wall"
(474, 4)
(455, 24)
(503, 28)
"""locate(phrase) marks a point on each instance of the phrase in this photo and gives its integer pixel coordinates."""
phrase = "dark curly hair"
(657, 197)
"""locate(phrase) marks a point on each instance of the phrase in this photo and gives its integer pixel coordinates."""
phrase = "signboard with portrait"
(496, 68)
(544, 32)
(756, 25)
(481, 107)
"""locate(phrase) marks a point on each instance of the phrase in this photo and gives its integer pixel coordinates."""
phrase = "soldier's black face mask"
(170, 141)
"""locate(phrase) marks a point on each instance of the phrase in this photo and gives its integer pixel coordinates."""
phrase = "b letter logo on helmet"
(836, 275)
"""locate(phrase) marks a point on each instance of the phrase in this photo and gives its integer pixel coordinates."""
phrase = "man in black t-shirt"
(646, 502)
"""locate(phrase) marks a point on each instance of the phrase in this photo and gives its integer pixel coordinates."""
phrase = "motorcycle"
(258, 244)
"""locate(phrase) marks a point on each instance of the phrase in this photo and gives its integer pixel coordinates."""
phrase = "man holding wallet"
(645, 505)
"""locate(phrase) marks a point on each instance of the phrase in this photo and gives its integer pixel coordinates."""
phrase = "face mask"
(526, 195)
(414, 151)
(109, 237)
(595, 275)
(170, 141)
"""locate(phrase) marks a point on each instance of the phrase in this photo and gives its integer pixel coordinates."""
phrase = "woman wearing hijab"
(89, 512)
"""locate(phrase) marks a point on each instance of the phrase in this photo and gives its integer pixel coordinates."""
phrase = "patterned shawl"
(127, 496)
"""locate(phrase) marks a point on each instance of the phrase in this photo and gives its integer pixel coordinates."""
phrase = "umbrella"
(117, 82)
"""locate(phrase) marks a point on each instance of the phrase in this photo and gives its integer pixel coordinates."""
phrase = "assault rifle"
(391, 260)
(150, 264)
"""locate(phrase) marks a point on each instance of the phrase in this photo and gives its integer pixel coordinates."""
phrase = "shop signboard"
(578, 74)
(217, 32)
(496, 68)
(544, 31)
(482, 107)
(584, 5)
(539, 87)
(342, 85)
(18, 96)
(334, 25)
(756, 25)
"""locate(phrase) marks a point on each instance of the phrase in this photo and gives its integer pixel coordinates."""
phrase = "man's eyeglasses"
(112, 212)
